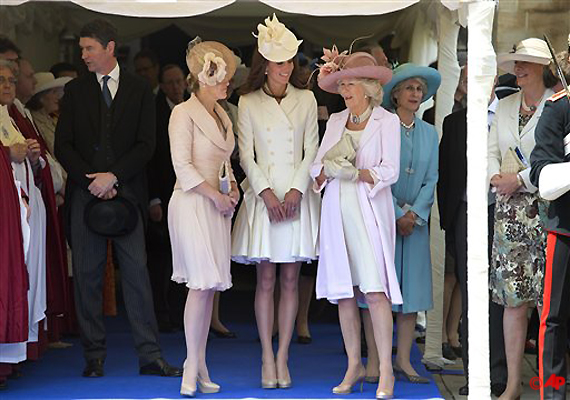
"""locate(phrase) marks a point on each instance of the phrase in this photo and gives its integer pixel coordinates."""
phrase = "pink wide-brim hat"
(355, 66)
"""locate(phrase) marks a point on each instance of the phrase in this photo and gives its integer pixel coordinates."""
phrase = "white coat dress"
(277, 144)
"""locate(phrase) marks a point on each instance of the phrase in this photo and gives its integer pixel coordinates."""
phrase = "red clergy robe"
(56, 259)
(13, 271)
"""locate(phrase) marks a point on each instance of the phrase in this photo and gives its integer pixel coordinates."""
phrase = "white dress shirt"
(113, 82)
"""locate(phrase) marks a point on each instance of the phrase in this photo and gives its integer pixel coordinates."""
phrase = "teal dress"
(414, 191)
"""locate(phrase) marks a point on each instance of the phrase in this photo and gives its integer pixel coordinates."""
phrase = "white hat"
(531, 50)
(275, 42)
(46, 81)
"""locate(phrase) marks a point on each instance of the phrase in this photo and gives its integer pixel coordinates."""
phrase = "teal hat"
(408, 71)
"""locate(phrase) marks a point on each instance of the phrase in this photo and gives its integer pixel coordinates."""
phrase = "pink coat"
(379, 151)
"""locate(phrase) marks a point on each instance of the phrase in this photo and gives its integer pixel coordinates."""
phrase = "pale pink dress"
(199, 233)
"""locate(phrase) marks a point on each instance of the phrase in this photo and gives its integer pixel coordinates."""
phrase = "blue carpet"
(234, 364)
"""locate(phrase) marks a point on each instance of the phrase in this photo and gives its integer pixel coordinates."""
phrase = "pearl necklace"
(527, 108)
(408, 127)
(357, 119)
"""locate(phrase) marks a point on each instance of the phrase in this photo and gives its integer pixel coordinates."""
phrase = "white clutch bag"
(224, 177)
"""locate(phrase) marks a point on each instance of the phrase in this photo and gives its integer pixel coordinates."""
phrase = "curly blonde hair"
(372, 89)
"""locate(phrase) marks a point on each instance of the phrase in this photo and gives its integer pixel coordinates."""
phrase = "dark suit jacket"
(452, 166)
(78, 132)
(550, 134)
(161, 175)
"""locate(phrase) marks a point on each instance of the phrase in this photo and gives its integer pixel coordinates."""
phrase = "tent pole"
(448, 32)
(481, 73)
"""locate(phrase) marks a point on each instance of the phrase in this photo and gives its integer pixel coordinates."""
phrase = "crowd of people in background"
(324, 182)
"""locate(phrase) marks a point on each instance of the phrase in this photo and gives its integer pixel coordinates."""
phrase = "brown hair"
(256, 78)
(563, 59)
(548, 78)
(35, 104)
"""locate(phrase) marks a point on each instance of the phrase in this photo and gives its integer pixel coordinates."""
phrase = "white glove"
(340, 169)
(554, 180)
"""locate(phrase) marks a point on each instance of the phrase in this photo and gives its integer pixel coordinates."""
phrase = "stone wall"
(520, 19)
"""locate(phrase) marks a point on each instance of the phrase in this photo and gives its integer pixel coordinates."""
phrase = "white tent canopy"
(418, 25)
(232, 24)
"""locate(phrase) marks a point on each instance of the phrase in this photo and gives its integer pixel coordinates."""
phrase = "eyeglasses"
(10, 81)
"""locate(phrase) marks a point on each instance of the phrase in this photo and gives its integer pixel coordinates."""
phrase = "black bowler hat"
(111, 218)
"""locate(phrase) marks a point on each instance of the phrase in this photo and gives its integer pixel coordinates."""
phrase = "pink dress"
(199, 233)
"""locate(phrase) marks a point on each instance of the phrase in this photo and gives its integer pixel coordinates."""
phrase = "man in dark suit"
(169, 297)
(452, 205)
(104, 138)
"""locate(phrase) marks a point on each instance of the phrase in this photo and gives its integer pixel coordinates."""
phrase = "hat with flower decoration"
(210, 62)
(275, 42)
(357, 65)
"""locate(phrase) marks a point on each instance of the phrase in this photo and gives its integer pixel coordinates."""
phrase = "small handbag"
(344, 148)
(224, 177)
(511, 163)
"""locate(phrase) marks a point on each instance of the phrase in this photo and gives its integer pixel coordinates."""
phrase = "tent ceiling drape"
(188, 8)
(339, 7)
(231, 24)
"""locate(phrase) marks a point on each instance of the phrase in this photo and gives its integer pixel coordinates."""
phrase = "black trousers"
(553, 322)
(89, 257)
(498, 363)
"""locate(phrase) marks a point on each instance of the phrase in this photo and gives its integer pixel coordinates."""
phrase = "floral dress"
(519, 247)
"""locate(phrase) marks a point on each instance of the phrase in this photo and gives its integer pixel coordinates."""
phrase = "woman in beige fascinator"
(200, 210)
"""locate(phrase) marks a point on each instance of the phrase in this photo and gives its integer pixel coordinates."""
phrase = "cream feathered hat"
(275, 42)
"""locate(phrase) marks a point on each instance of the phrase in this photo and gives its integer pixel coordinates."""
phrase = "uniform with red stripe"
(551, 131)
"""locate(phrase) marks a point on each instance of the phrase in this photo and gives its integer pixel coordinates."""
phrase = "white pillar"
(448, 31)
(481, 73)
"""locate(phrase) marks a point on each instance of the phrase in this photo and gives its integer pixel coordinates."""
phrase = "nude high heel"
(187, 391)
(346, 388)
(385, 394)
(285, 382)
(207, 387)
(267, 383)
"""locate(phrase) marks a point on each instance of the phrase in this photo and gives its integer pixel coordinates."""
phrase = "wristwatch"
(520, 180)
